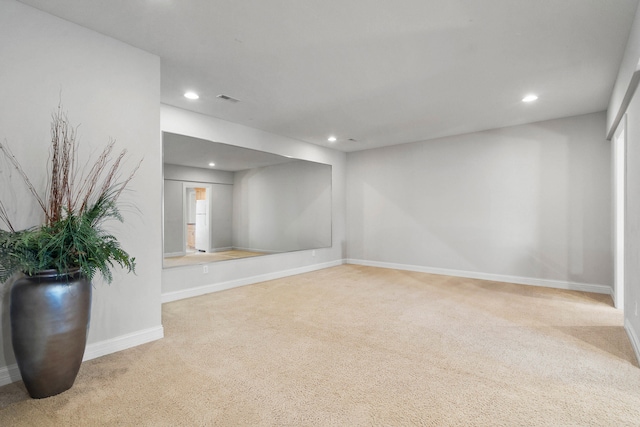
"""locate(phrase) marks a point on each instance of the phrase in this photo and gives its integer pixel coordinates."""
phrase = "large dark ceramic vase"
(49, 322)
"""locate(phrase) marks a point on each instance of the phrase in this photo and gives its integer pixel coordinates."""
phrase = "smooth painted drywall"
(283, 207)
(632, 225)
(220, 219)
(111, 90)
(182, 280)
(632, 214)
(220, 184)
(529, 201)
(173, 217)
(221, 208)
(186, 173)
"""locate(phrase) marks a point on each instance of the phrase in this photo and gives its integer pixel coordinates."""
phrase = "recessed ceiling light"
(530, 98)
(212, 164)
(332, 139)
(191, 95)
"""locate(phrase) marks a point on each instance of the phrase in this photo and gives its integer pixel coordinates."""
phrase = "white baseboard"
(11, 373)
(123, 342)
(633, 337)
(263, 251)
(228, 248)
(207, 289)
(174, 254)
(558, 284)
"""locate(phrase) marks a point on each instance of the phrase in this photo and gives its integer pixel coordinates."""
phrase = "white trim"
(11, 373)
(626, 100)
(216, 287)
(228, 248)
(264, 251)
(633, 337)
(174, 254)
(619, 156)
(123, 342)
(559, 284)
(208, 189)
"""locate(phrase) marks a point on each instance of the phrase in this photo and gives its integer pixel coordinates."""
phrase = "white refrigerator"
(202, 225)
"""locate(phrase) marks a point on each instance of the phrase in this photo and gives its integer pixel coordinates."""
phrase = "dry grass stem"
(76, 203)
(68, 190)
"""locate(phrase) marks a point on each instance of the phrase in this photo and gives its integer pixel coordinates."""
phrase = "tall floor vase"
(50, 315)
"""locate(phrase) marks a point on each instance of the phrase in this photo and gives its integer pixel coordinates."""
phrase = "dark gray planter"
(50, 315)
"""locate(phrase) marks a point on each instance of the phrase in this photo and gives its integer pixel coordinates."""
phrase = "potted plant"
(53, 263)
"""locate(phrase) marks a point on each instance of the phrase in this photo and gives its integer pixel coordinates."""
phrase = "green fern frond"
(73, 235)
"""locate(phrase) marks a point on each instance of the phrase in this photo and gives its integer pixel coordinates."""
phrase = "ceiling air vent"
(228, 98)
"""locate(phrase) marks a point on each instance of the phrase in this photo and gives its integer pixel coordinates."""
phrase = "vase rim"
(55, 273)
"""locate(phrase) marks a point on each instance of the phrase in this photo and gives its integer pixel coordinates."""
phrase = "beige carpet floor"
(207, 257)
(361, 346)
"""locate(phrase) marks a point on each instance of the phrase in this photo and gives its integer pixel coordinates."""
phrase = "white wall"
(283, 207)
(529, 204)
(185, 173)
(632, 233)
(220, 218)
(111, 90)
(191, 280)
(173, 214)
(220, 206)
(632, 215)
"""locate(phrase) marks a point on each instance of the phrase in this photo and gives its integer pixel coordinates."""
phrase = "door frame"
(619, 160)
(185, 186)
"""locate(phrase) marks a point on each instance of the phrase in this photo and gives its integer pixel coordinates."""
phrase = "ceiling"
(377, 72)
(198, 153)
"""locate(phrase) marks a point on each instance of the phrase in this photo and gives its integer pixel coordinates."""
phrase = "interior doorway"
(197, 218)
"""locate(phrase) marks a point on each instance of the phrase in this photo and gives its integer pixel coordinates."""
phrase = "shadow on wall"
(5, 323)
